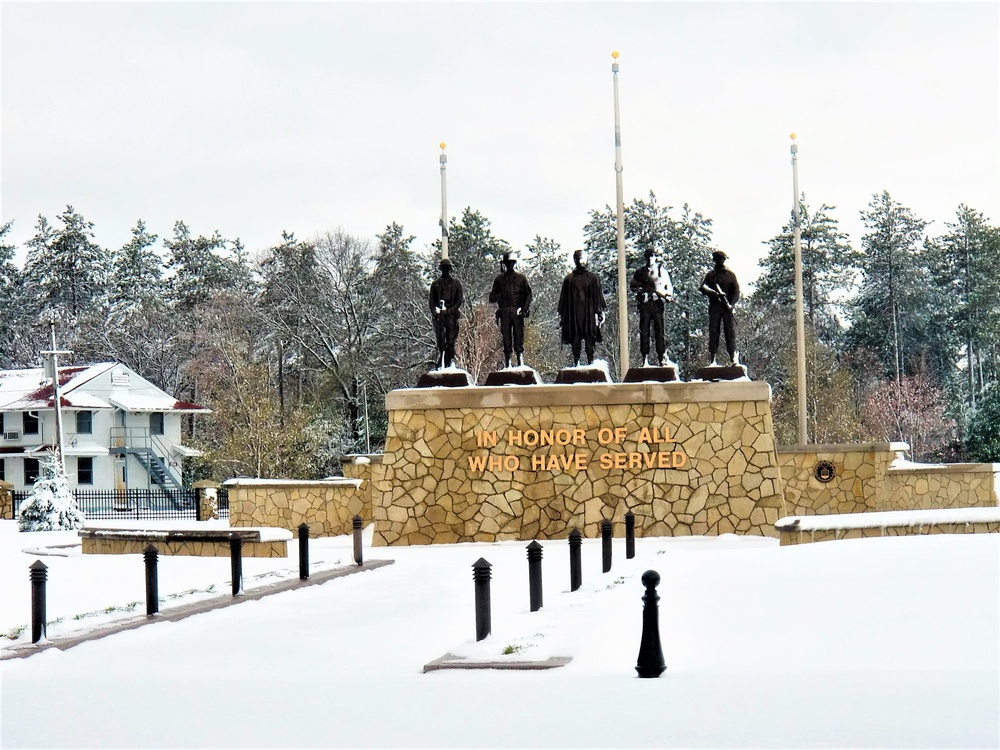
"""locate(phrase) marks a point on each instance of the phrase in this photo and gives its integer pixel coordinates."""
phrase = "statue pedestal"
(591, 374)
(514, 376)
(651, 374)
(451, 378)
(729, 372)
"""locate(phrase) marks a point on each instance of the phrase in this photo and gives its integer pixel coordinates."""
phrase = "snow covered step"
(803, 529)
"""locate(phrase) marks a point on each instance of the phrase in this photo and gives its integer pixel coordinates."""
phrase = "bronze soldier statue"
(651, 284)
(723, 292)
(445, 299)
(512, 294)
(581, 309)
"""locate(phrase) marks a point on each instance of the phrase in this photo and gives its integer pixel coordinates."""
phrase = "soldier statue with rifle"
(652, 287)
(723, 292)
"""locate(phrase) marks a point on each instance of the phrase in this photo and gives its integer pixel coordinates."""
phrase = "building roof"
(31, 389)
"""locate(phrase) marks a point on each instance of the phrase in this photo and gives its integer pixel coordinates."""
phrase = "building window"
(85, 470)
(1, 422)
(85, 422)
(3, 470)
(30, 424)
(156, 423)
(30, 470)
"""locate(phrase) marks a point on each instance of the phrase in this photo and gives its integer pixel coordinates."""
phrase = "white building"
(119, 430)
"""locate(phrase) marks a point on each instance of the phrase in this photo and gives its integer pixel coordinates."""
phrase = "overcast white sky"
(255, 118)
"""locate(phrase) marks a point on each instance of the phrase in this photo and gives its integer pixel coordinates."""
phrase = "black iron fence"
(138, 504)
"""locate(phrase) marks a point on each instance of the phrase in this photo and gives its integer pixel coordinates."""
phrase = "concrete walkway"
(186, 610)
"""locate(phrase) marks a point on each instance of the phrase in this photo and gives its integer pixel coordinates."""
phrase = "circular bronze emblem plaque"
(825, 471)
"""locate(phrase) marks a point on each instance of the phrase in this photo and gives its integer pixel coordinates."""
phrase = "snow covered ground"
(863, 643)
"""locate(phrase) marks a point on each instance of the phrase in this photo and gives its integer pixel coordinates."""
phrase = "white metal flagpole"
(622, 297)
(444, 204)
(800, 325)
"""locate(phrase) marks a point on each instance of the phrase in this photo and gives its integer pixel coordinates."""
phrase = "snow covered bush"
(50, 506)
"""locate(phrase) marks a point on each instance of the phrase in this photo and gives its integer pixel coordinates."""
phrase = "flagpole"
(444, 203)
(800, 325)
(622, 297)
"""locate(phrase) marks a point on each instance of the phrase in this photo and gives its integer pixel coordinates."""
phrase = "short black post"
(629, 535)
(359, 557)
(481, 575)
(650, 662)
(606, 530)
(535, 575)
(303, 551)
(575, 566)
(152, 582)
(236, 553)
(38, 574)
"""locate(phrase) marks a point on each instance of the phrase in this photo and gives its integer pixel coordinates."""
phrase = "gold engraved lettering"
(477, 463)
(514, 437)
(486, 438)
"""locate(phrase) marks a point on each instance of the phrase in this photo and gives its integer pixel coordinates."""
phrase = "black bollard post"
(303, 551)
(629, 535)
(236, 555)
(481, 575)
(535, 575)
(575, 566)
(359, 558)
(650, 662)
(38, 574)
(152, 583)
(606, 529)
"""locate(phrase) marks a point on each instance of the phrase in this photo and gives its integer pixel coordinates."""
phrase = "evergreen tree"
(890, 313)
(964, 267)
(475, 254)
(982, 439)
(828, 269)
(12, 303)
(136, 272)
(50, 506)
(69, 271)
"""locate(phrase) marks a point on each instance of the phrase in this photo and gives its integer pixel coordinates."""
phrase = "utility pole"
(52, 364)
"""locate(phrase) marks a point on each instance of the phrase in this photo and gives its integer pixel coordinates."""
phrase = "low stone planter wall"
(193, 542)
(327, 505)
(6, 501)
(911, 486)
(807, 529)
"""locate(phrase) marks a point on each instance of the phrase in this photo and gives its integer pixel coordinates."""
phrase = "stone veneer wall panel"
(193, 548)
(427, 492)
(328, 505)
(859, 480)
(922, 486)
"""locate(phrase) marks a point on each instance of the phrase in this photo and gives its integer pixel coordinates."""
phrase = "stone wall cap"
(902, 466)
(204, 483)
(6, 485)
(583, 394)
(877, 519)
(331, 482)
(844, 448)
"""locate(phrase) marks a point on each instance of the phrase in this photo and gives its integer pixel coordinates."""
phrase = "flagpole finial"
(442, 145)
(615, 54)
(792, 136)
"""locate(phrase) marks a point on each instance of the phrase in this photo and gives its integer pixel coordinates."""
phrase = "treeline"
(294, 349)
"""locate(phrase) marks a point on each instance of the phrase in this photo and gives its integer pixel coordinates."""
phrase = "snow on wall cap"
(330, 482)
(885, 518)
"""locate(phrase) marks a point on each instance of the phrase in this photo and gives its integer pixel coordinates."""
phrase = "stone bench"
(805, 529)
(203, 542)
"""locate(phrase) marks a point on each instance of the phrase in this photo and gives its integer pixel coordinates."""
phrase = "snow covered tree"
(50, 506)
(68, 270)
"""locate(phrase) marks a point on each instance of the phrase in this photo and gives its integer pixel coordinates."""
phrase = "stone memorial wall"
(488, 464)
